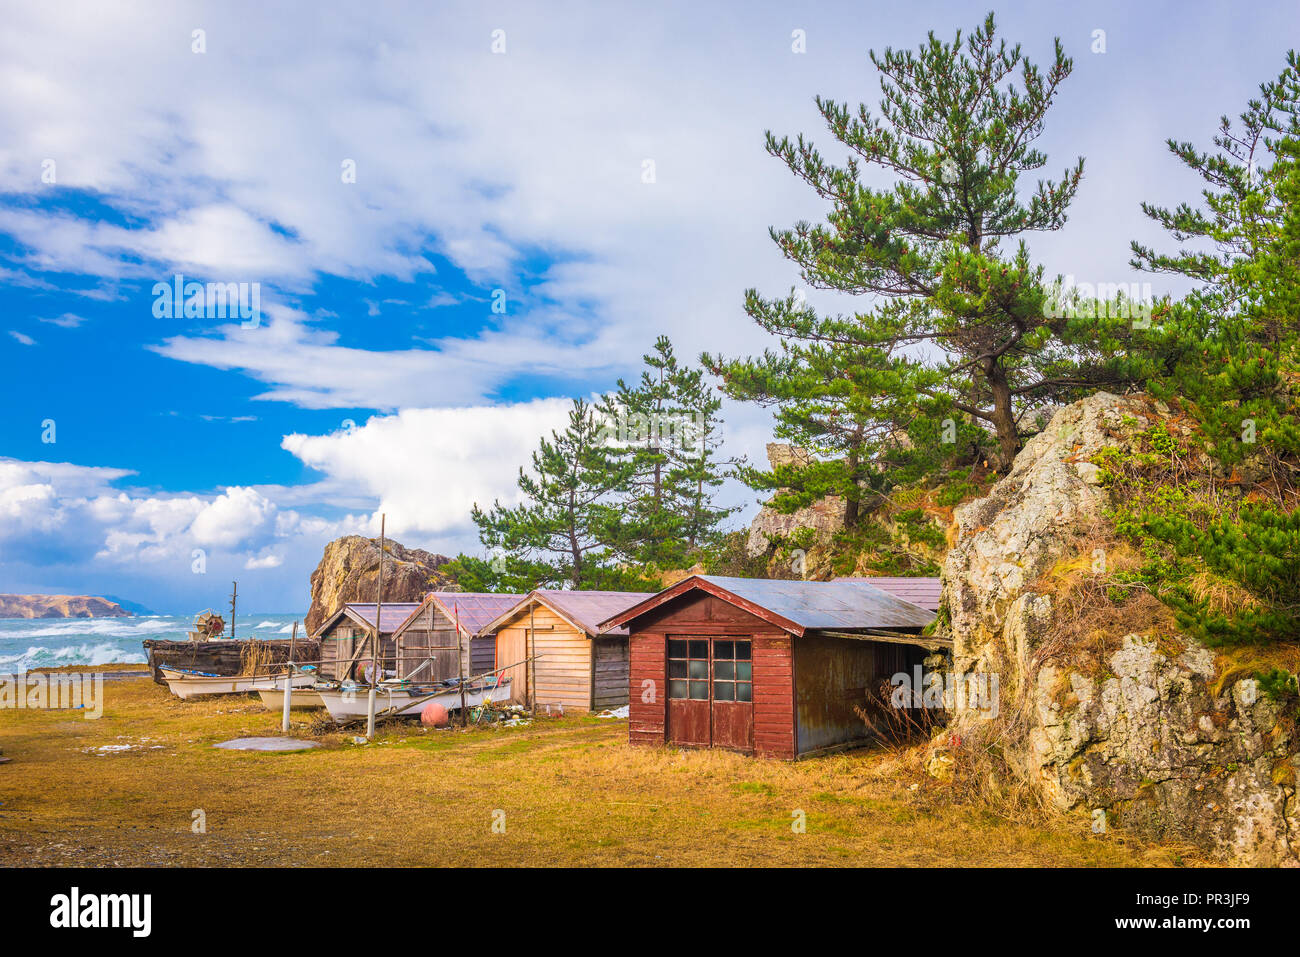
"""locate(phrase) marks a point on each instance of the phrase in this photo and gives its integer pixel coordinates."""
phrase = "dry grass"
(1088, 620)
(572, 790)
(256, 658)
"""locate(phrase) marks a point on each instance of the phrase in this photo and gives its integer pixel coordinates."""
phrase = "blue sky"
(379, 377)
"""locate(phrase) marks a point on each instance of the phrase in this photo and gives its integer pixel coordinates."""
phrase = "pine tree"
(558, 536)
(1229, 349)
(696, 470)
(958, 326)
(666, 429)
(1229, 353)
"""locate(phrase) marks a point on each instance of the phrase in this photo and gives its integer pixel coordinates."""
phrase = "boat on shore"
(304, 697)
(185, 683)
(351, 700)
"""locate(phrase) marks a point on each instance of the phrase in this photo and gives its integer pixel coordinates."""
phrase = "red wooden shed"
(765, 667)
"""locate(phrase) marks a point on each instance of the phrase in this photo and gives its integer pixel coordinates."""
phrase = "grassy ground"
(569, 792)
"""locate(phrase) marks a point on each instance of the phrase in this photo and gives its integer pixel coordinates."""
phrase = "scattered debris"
(621, 712)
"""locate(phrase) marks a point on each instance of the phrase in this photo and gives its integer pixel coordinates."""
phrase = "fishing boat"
(185, 683)
(304, 697)
(351, 700)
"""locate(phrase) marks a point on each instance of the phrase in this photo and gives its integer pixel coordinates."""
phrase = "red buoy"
(434, 715)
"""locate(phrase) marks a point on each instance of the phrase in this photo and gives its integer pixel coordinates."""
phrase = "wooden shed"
(431, 632)
(343, 634)
(580, 666)
(772, 668)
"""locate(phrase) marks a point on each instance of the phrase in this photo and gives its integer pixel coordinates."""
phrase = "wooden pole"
(288, 682)
(376, 663)
(428, 620)
(460, 664)
(530, 673)
(234, 593)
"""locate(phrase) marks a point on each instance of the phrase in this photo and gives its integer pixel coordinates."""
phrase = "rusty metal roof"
(393, 615)
(797, 606)
(588, 609)
(919, 591)
(474, 608)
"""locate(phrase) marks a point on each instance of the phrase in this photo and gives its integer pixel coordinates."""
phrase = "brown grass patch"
(572, 791)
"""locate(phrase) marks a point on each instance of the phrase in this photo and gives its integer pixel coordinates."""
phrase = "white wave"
(97, 627)
(84, 654)
(267, 624)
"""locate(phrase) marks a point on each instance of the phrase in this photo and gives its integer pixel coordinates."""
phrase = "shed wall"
(833, 677)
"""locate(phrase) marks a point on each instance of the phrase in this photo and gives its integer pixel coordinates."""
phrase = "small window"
(732, 671)
(688, 670)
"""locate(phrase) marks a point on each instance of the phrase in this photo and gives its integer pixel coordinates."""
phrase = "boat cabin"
(772, 668)
(580, 665)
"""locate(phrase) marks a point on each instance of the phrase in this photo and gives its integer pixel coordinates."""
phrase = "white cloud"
(426, 468)
(21, 337)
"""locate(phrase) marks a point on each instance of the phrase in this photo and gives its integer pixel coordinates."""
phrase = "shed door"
(710, 693)
(733, 694)
(511, 648)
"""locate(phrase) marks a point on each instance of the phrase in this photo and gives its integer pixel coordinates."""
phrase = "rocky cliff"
(59, 606)
(822, 518)
(1104, 708)
(349, 571)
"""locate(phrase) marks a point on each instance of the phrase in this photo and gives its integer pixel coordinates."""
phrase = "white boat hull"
(186, 685)
(303, 698)
(351, 705)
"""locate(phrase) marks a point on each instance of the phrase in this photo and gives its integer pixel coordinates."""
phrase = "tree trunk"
(851, 508)
(1004, 419)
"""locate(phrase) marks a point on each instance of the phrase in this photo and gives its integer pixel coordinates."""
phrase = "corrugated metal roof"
(919, 591)
(475, 608)
(394, 613)
(800, 606)
(587, 609)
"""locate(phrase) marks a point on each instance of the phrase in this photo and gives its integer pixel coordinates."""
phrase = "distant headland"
(59, 606)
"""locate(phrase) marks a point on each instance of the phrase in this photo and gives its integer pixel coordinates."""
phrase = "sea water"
(27, 643)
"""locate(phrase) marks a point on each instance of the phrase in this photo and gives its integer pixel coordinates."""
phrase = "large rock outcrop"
(349, 571)
(1163, 737)
(59, 606)
(824, 517)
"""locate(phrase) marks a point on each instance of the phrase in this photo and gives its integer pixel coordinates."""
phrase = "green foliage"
(476, 574)
(957, 344)
(559, 535)
(1278, 684)
(624, 492)
(1184, 532)
(666, 431)
(728, 557)
(1229, 354)
(1230, 350)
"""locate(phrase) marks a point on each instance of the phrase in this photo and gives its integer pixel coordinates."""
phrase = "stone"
(349, 571)
(1149, 740)
(268, 744)
(825, 516)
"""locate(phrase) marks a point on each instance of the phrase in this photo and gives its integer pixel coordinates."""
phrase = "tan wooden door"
(511, 647)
